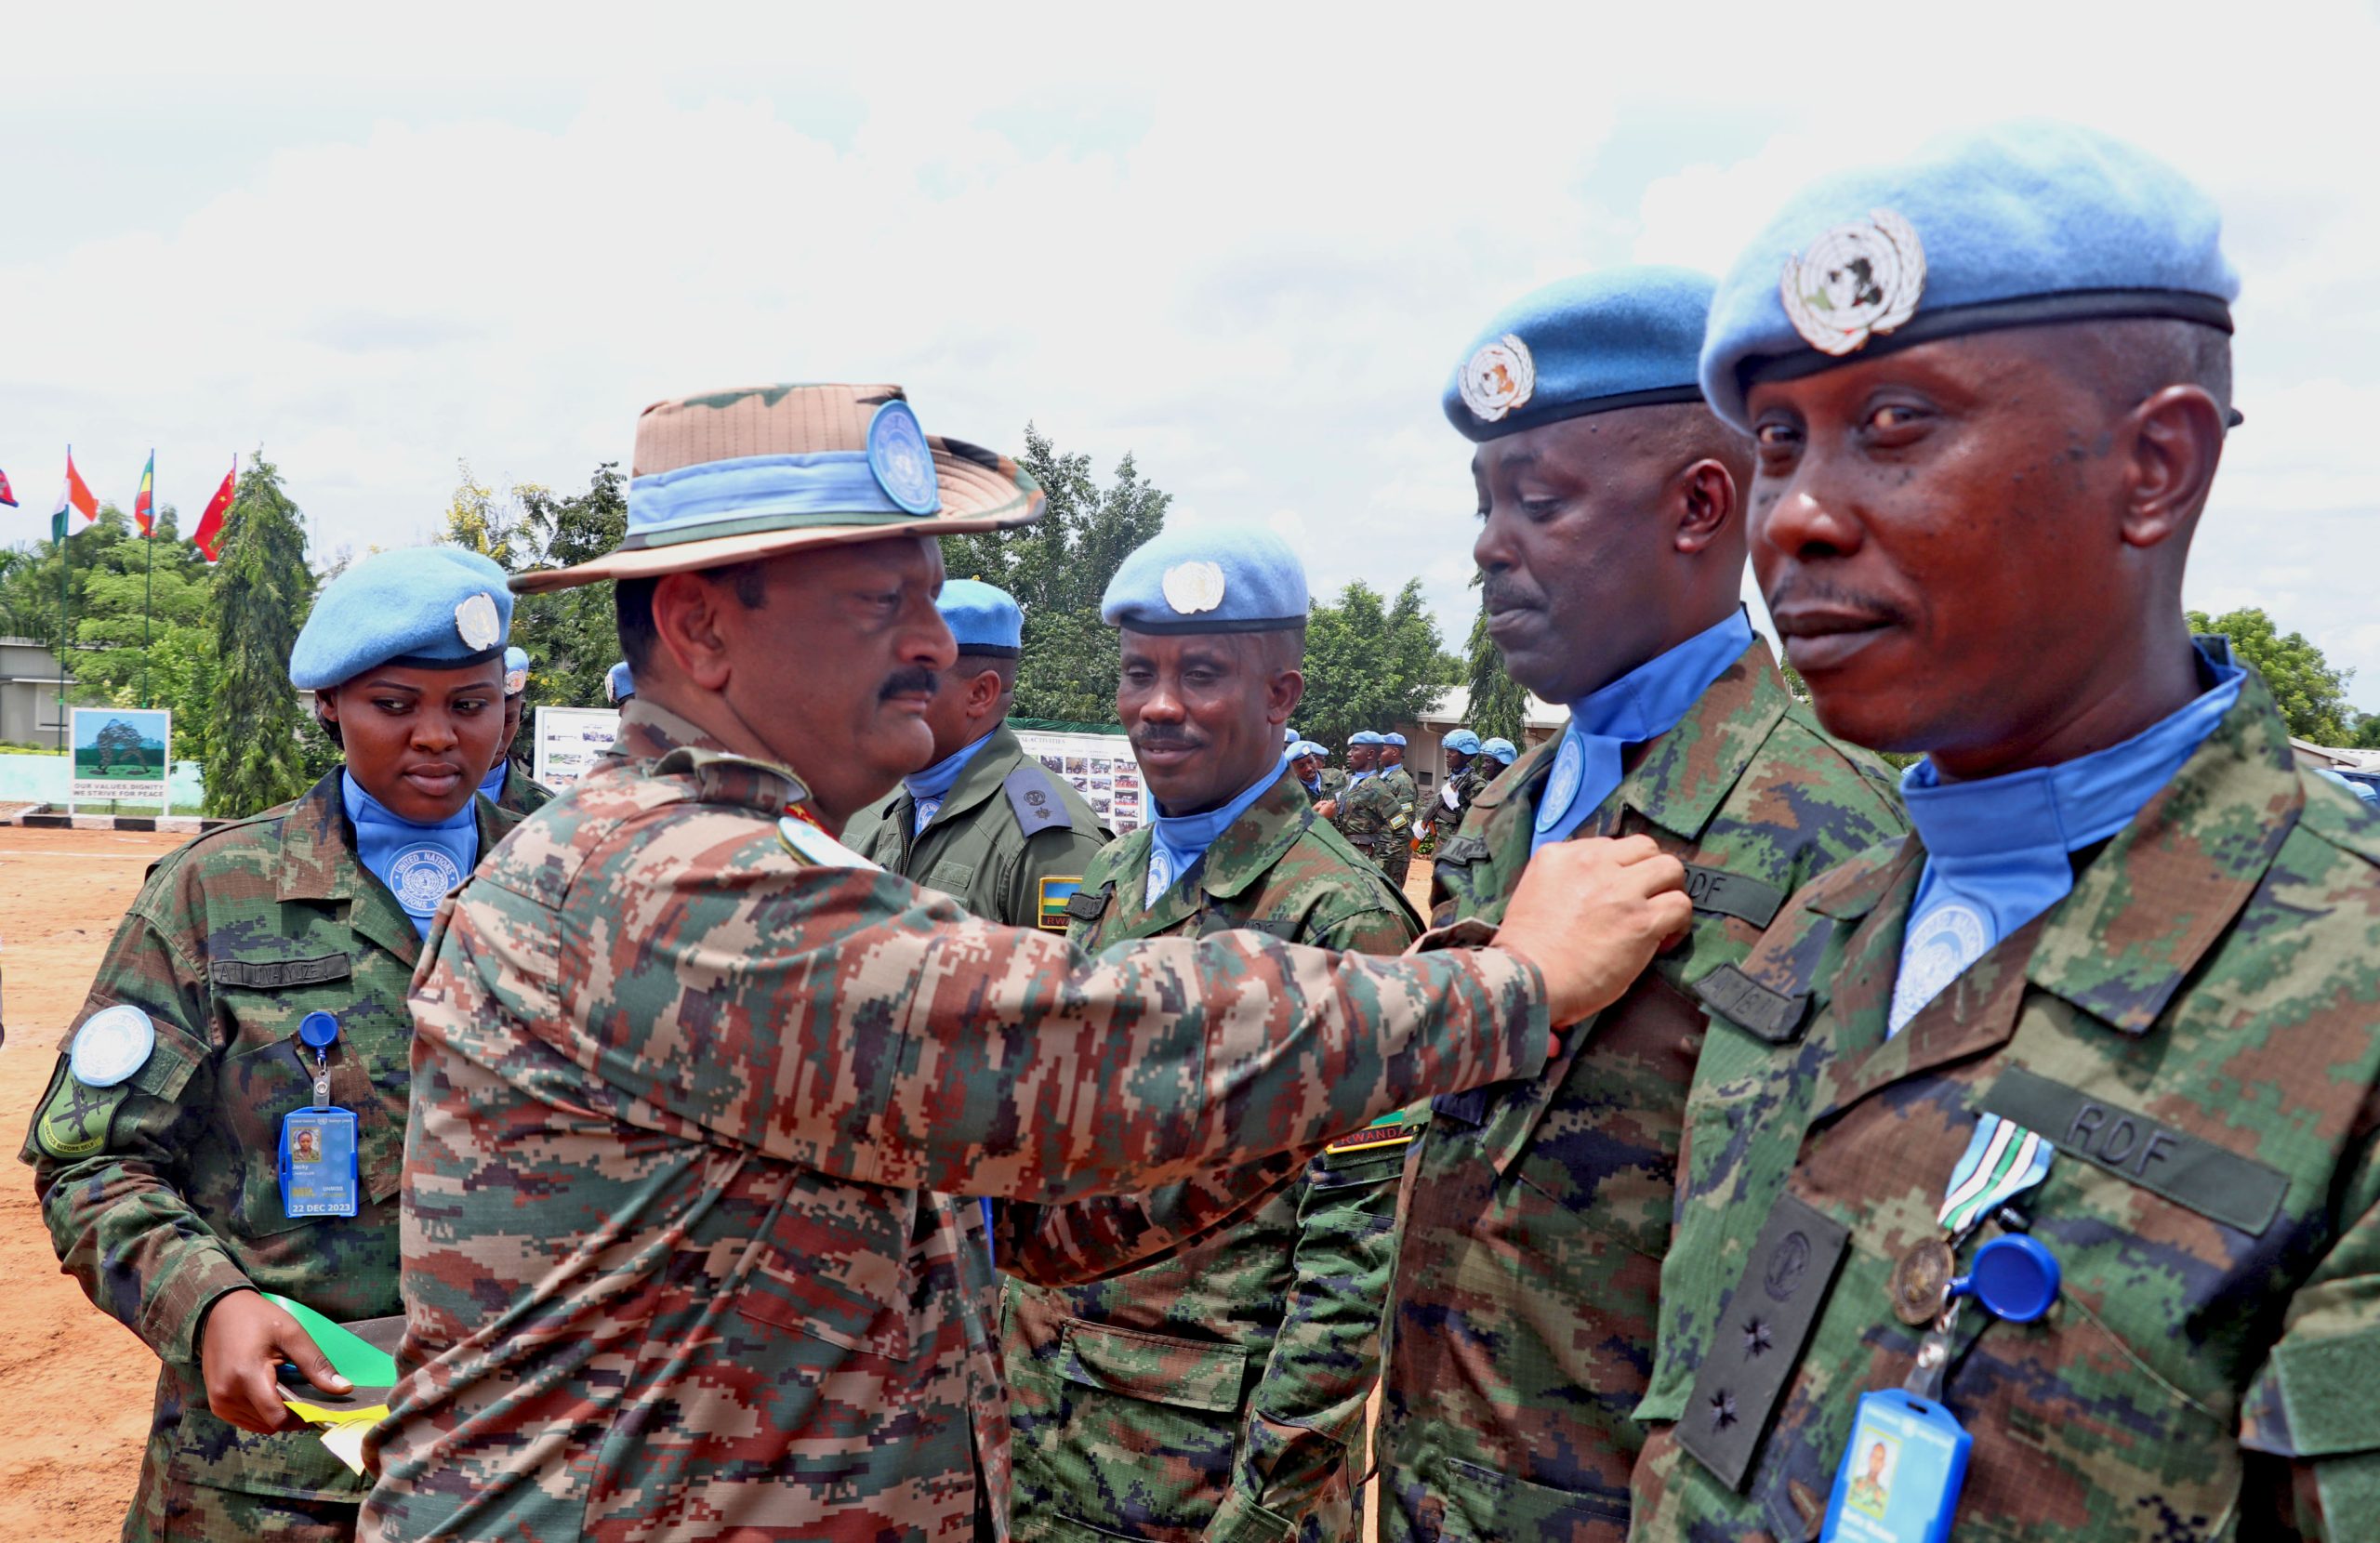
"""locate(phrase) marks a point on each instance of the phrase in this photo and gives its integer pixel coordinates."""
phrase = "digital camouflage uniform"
(1367, 818)
(1465, 786)
(1541, 1209)
(162, 1193)
(2196, 1028)
(1010, 840)
(1220, 1393)
(1396, 857)
(1333, 780)
(680, 1257)
(521, 795)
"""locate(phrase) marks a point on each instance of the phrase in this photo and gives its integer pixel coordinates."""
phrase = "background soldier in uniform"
(1612, 549)
(695, 1082)
(1306, 760)
(1222, 1392)
(506, 786)
(1397, 858)
(1462, 785)
(1366, 807)
(986, 822)
(2127, 955)
(156, 1152)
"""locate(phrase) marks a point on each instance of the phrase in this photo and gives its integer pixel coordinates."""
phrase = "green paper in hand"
(358, 1361)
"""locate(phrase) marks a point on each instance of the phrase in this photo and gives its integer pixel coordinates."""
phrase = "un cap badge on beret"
(897, 454)
(1190, 587)
(477, 622)
(1498, 376)
(1857, 281)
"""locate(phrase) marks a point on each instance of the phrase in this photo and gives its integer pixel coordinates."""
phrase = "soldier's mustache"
(1506, 594)
(1166, 739)
(915, 680)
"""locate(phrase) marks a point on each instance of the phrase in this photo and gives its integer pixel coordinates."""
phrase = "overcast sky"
(1245, 245)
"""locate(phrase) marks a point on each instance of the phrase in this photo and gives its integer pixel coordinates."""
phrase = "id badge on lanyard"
(320, 1172)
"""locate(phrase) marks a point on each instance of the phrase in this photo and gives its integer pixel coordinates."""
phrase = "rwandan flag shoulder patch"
(1056, 889)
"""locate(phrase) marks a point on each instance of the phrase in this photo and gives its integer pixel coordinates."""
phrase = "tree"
(571, 636)
(1499, 705)
(484, 523)
(1058, 570)
(2310, 691)
(1369, 665)
(262, 592)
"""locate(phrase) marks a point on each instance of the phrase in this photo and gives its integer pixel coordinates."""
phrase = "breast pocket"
(258, 1086)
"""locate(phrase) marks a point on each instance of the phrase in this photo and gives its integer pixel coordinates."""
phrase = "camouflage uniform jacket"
(1333, 788)
(691, 1088)
(1010, 839)
(2196, 1029)
(1541, 1208)
(1464, 785)
(521, 795)
(1369, 818)
(1219, 1393)
(163, 1193)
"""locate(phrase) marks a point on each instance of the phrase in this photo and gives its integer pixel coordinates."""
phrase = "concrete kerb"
(47, 817)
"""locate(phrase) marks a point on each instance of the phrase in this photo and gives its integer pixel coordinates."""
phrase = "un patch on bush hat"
(1207, 578)
(1617, 337)
(2011, 225)
(419, 607)
(736, 475)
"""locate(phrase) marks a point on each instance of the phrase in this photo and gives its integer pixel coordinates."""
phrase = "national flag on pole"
(144, 505)
(7, 497)
(208, 537)
(73, 496)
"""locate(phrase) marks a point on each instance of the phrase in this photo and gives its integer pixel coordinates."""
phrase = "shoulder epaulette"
(723, 777)
(1033, 797)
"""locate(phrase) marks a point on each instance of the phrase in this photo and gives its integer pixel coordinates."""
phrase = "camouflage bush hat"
(731, 476)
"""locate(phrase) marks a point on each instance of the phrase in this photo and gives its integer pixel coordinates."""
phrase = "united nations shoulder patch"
(1056, 889)
(1857, 281)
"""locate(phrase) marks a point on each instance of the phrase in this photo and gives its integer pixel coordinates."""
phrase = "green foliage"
(262, 592)
(1498, 706)
(569, 635)
(1057, 570)
(2313, 694)
(1371, 664)
(491, 526)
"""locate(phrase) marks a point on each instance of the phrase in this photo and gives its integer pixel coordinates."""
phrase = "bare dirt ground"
(67, 1460)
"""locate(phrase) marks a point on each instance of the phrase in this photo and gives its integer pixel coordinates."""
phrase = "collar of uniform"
(1686, 774)
(649, 731)
(994, 757)
(319, 863)
(1248, 848)
(2166, 886)
(1854, 887)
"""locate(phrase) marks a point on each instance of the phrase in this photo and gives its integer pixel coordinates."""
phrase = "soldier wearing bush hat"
(1244, 1360)
(699, 1088)
(229, 1116)
(1611, 550)
(2107, 1018)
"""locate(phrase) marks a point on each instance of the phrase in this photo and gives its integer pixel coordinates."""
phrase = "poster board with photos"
(1100, 768)
(569, 740)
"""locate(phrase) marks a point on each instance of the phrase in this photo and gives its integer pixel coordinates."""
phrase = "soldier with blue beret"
(1611, 550)
(1404, 795)
(986, 822)
(506, 784)
(1307, 759)
(1501, 751)
(1462, 785)
(2044, 1135)
(229, 1117)
(1229, 1383)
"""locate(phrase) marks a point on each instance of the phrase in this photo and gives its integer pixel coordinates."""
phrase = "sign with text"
(568, 740)
(121, 756)
(1103, 770)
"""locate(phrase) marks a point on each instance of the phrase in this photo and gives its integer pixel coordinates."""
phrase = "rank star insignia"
(1497, 378)
(1190, 587)
(1856, 282)
(1723, 1410)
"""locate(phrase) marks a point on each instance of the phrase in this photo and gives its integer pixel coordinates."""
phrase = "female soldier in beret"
(179, 1155)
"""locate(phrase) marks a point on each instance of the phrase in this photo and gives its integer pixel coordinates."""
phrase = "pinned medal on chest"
(320, 1172)
(1907, 1458)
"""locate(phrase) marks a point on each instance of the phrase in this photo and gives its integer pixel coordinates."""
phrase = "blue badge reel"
(320, 1172)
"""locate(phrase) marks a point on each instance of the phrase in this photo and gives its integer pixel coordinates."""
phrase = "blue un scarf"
(1177, 841)
(419, 864)
(930, 786)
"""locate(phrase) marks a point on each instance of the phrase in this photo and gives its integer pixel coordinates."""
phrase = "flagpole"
(57, 531)
(149, 586)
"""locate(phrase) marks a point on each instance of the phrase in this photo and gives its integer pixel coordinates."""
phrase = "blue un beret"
(1619, 338)
(1209, 578)
(1307, 748)
(427, 607)
(1366, 736)
(1500, 749)
(2024, 223)
(516, 672)
(1464, 741)
(620, 683)
(1397, 740)
(982, 617)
